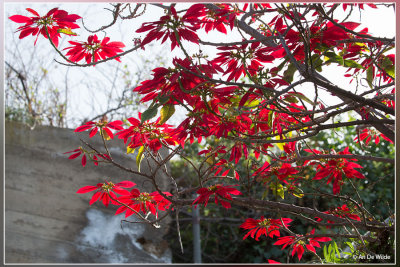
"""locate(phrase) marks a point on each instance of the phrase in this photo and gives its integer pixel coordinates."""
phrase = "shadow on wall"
(47, 222)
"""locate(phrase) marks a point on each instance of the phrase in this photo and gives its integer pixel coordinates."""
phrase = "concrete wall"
(47, 222)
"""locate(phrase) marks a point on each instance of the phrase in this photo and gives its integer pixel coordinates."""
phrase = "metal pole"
(196, 235)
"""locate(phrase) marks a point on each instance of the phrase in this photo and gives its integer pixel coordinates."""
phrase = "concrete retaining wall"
(47, 222)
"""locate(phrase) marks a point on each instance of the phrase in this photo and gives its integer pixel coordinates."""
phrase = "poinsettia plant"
(254, 105)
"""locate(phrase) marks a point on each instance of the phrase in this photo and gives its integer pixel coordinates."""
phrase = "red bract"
(335, 168)
(341, 212)
(103, 126)
(268, 227)
(54, 21)
(219, 191)
(281, 172)
(176, 83)
(299, 242)
(237, 152)
(77, 152)
(143, 202)
(165, 28)
(368, 134)
(106, 191)
(147, 133)
(211, 19)
(93, 50)
(239, 59)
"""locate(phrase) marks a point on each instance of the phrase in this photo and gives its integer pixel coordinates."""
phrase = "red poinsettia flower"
(104, 127)
(143, 202)
(212, 19)
(166, 27)
(237, 152)
(368, 134)
(239, 59)
(273, 262)
(335, 168)
(300, 241)
(219, 191)
(77, 152)
(80, 151)
(55, 20)
(341, 212)
(106, 191)
(283, 172)
(268, 227)
(93, 50)
(147, 133)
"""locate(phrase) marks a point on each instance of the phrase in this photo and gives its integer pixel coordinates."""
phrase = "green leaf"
(66, 31)
(270, 118)
(352, 64)
(350, 245)
(277, 189)
(297, 192)
(251, 103)
(336, 249)
(291, 99)
(387, 65)
(326, 255)
(162, 99)
(130, 150)
(166, 112)
(149, 113)
(289, 72)
(303, 97)
(330, 249)
(332, 57)
(139, 157)
(317, 62)
(390, 71)
(370, 76)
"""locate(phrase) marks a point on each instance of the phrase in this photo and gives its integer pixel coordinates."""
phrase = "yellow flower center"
(265, 223)
(107, 187)
(143, 197)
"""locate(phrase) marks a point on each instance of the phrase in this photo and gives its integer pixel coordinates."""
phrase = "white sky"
(380, 22)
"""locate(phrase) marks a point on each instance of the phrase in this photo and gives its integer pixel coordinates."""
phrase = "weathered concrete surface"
(47, 222)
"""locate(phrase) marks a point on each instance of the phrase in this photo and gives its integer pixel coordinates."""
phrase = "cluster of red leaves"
(298, 243)
(58, 21)
(130, 202)
(80, 151)
(334, 169)
(93, 50)
(235, 58)
(171, 27)
(151, 134)
(55, 20)
(282, 172)
(220, 193)
(103, 126)
(199, 14)
(144, 202)
(368, 134)
(147, 133)
(176, 83)
(106, 191)
(217, 110)
(341, 212)
(264, 226)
